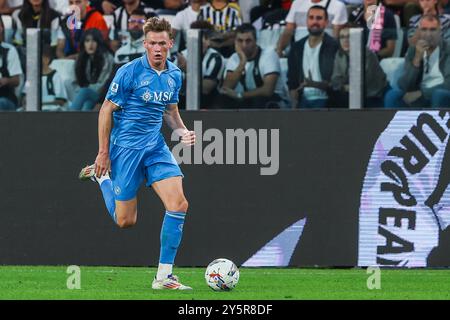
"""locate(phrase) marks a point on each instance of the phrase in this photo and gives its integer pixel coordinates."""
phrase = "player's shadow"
(440, 256)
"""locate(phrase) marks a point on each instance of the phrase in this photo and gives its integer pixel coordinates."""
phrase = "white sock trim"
(164, 270)
(102, 178)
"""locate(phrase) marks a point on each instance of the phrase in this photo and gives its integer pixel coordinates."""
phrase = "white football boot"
(169, 283)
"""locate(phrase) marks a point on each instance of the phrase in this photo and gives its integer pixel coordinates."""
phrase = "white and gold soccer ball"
(222, 275)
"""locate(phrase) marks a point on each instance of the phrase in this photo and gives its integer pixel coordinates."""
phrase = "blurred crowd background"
(278, 54)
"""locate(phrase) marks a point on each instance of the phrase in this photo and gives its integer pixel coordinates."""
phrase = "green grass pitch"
(50, 282)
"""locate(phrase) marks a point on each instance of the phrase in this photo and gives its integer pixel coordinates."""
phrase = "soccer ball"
(222, 275)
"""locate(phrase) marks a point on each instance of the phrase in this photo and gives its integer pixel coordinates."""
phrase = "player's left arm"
(174, 121)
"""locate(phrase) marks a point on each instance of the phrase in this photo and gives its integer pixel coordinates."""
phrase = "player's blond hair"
(155, 24)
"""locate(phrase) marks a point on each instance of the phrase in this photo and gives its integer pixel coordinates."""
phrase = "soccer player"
(143, 92)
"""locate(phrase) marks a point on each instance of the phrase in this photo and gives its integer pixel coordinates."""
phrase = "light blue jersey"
(142, 95)
(138, 150)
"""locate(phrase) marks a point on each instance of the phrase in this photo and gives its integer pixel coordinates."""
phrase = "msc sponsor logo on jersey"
(161, 96)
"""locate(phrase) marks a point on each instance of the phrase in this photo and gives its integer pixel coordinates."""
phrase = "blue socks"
(171, 233)
(108, 195)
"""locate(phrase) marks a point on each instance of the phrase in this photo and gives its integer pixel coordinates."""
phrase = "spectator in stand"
(375, 85)
(9, 6)
(225, 17)
(69, 38)
(10, 73)
(213, 65)
(107, 7)
(267, 6)
(246, 7)
(119, 33)
(186, 17)
(36, 14)
(310, 63)
(433, 7)
(166, 6)
(382, 43)
(403, 8)
(92, 68)
(252, 74)
(297, 17)
(54, 94)
(425, 81)
(133, 48)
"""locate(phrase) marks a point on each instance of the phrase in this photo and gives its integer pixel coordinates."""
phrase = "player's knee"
(126, 222)
(178, 205)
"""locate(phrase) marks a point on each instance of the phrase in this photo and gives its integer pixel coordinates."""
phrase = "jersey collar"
(144, 59)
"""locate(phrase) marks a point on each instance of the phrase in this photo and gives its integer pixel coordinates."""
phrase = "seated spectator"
(252, 74)
(272, 19)
(381, 42)
(186, 17)
(54, 94)
(92, 68)
(375, 84)
(69, 38)
(10, 73)
(297, 18)
(426, 76)
(267, 6)
(36, 14)
(429, 7)
(119, 33)
(310, 63)
(106, 7)
(404, 8)
(166, 6)
(225, 17)
(133, 48)
(213, 65)
(9, 6)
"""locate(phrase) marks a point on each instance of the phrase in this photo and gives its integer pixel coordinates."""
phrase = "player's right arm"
(105, 119)
(116, 97)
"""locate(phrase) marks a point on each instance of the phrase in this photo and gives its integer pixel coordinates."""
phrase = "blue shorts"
(129, 167)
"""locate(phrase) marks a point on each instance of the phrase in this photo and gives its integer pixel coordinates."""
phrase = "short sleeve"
(120, 87)
(341, 16)
(14, 66)
(390, 28)
(214, 67)
(291, 14)
(269, 63)
(177, 22)
(232, 63)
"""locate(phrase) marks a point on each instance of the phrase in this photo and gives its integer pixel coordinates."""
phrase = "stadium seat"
(66, 70)
(400, 37)
(392, 67)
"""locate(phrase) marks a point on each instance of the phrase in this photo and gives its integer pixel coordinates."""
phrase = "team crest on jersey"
(146, 96)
